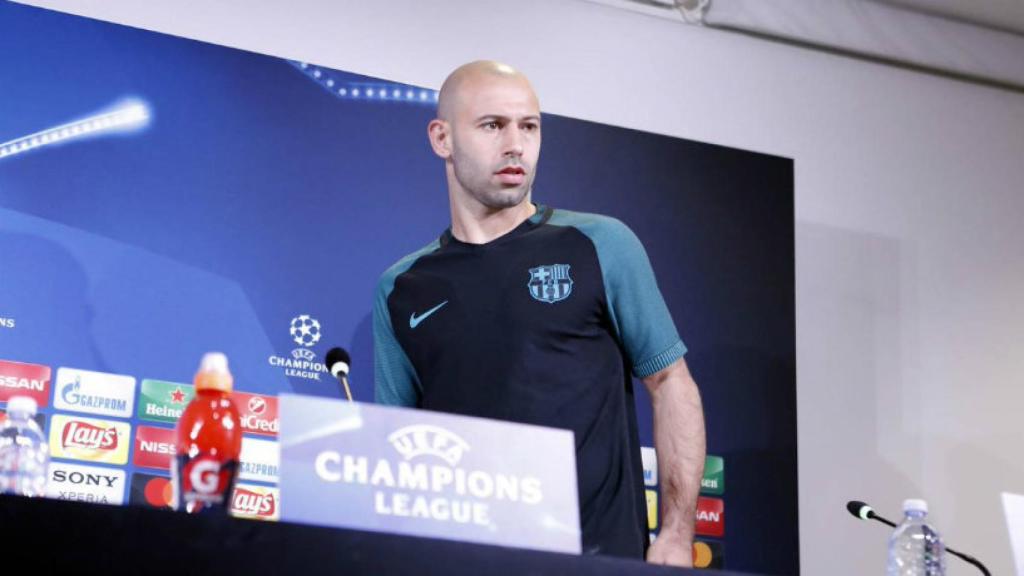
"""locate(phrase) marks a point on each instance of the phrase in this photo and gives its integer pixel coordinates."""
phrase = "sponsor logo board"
(19, 379)
(708, 554)
(713, 481)
(650, 460)
(154, 447)
(94, 392)
(90, 439)
(257, 412)
(85, 483)
(259, 461)
(710, 517)
(652, 509)
(256, 502)
(151, 490)
(161, 401)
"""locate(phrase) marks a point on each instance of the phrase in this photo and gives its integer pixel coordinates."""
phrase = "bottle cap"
(213, 373)
(22, 404)
(915, 504)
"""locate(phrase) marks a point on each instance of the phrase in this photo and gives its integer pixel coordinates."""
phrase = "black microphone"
(865, 512)
(338, 362)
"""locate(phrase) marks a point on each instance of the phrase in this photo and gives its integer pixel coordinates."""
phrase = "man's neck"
(480, 224)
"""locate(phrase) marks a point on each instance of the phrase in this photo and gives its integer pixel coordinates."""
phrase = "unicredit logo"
(83, 435)
(257, 405)
(253, 503)
(424, 439)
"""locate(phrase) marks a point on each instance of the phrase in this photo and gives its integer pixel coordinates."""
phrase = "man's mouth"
(512, 175)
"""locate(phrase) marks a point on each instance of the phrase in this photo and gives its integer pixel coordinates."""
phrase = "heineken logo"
(163, 401)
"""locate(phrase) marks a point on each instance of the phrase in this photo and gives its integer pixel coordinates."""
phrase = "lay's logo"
(257, 502)
(82, 435)
(89, 439)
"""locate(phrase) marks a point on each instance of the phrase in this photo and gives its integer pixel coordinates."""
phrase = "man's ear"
(439, 132)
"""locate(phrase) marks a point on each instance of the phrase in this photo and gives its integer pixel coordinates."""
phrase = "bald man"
(532, 314)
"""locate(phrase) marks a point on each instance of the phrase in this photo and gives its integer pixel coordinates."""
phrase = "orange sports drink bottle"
(209, 442)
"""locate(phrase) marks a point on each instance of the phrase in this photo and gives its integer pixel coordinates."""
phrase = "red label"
(710, 517)
(258, 413)
(154, 447)
(17, 379)
(77, 434)
(254, 503)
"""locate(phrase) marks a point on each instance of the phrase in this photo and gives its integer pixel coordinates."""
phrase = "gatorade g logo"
(204, 476)
(207, 480)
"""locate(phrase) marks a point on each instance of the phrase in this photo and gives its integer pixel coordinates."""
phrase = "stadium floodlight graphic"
(127, 116)
(366, 91)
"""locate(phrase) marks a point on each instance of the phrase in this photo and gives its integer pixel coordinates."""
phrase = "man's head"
(488, 132)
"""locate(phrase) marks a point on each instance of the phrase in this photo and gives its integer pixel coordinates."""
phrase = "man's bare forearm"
(680, 443)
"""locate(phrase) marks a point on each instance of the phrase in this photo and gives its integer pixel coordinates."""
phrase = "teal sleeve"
(638, 312)
(395, 379)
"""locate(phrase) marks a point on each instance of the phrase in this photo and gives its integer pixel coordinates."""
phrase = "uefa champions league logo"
(305, 331)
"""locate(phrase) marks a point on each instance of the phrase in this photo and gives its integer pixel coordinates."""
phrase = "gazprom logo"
(95, 392)
(427, 440)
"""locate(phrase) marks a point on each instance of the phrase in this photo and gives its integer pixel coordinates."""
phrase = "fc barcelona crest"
(550, 283)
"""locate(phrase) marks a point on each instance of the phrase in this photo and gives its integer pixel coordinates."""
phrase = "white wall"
(910, 248)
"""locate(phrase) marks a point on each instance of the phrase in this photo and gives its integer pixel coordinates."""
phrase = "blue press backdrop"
(258, 192)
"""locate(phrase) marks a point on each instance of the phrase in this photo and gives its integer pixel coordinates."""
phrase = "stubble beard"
(476, 184)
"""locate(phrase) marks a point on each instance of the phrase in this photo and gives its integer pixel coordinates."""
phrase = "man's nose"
(513, 143)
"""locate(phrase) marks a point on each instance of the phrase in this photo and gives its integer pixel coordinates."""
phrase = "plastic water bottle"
(915, 548)
(24, 454)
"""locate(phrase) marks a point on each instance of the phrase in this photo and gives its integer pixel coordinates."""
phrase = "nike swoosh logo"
(415, 320)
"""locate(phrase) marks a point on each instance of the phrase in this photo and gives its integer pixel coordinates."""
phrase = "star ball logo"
(305, 331)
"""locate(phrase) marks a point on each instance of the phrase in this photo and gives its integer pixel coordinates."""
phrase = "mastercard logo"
(707, 554)
(151, 490)
(159, 492)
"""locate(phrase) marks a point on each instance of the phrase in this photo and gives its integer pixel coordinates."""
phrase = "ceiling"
(1004, 14)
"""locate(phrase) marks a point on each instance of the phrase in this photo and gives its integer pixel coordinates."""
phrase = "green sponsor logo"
(162, 401)
(713, 481)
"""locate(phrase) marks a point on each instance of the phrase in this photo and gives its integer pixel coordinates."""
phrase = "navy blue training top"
(543, 325)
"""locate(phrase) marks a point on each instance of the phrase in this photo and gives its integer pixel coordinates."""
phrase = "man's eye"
(531, 127)
(491, 126)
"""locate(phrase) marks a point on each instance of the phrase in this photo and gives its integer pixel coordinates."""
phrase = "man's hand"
(671, 550)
